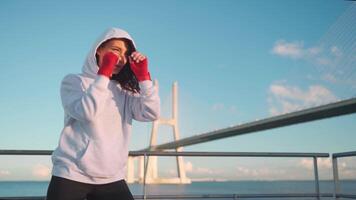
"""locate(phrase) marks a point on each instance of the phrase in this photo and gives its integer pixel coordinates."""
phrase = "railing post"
(336, 177)
(317, 189)
(144, 174)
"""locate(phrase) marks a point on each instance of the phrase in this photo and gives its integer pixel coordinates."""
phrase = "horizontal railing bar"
(233, 154)
(348, 196)
(233, 196)
(187, 153)
(200, 196)
(344, 154)
(26, 152)
(22, 198)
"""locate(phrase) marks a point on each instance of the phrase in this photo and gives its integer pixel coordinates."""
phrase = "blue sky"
(234, 61)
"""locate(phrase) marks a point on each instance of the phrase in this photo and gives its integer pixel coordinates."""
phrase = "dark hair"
(126, 78)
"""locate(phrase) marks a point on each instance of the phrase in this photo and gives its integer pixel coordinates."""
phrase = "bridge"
(150, 176)
(335, 109)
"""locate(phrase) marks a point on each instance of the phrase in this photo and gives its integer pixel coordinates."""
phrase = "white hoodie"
(98, 113)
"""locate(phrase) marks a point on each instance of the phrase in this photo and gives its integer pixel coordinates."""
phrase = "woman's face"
(119, 48)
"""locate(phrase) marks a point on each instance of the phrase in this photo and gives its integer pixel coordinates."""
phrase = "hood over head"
(90, 67)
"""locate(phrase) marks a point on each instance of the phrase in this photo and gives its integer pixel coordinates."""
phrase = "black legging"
(65, 189)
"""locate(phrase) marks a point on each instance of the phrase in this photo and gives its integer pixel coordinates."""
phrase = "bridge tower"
(152, 167)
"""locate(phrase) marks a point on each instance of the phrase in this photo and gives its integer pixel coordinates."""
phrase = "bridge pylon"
(152, 166)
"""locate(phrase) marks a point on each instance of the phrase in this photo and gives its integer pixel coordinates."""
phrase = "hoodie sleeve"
(146, 106)
(80, 103)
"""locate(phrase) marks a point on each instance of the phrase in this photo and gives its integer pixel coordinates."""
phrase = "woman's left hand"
(137, 56)
(139, 66)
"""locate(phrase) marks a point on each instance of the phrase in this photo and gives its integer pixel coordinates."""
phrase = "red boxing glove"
(140, 69)
(108, 64)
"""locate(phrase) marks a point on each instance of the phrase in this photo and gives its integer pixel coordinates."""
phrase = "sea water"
(39, 188)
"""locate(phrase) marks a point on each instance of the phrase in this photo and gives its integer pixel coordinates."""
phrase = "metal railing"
(317, 193)
(147, 154)
(337, 193)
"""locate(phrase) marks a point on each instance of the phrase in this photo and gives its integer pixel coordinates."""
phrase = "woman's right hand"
(110, 59)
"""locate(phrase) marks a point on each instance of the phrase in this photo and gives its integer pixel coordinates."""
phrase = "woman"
(114, 88)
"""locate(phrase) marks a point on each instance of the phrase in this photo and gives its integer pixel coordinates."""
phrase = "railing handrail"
(344, 154)
(25, 152)
(184, 153)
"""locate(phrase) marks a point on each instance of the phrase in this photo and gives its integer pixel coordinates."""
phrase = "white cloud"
(203, 170)
(284, 99)
(194, 170)
(323, 163)
(306, 163)
(347, 167)
(262, 173)
(334, 63)
(296, 50)
(292, 49)
(295, 170)
(41, 171)
(4, 173)
(314, 54)
(347, 174)
(188, 166)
